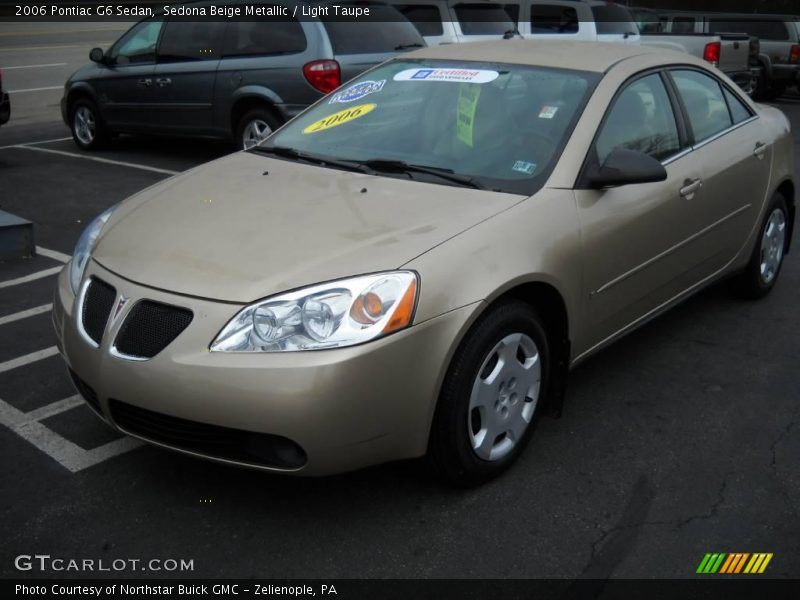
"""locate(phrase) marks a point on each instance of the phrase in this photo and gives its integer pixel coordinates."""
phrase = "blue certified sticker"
(357, 91)
(422, 74)
(524, 166)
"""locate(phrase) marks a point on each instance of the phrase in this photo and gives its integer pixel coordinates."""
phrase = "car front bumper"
(345, 408)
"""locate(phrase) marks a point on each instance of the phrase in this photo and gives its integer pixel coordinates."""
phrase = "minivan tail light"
(323, 75)
(712, 52)
(794, 54)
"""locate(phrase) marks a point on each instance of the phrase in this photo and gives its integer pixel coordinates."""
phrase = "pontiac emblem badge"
(120, 305)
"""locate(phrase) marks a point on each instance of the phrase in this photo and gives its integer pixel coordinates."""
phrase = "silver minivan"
(236, 79)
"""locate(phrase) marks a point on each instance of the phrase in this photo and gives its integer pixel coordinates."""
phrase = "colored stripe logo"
(734, 563)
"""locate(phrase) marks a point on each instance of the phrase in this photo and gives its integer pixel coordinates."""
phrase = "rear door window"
(384, 32)
(425, 17)
(264, 38)
(185, 41)
(705, 103)
(553, 19)
(483, 19)
(683, 25)
(613, 19)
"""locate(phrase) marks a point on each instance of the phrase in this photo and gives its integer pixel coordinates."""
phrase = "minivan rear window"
(260, 38)
(191, 41)
(426, 18)
(612, 19)
(386, 33)
(483, 19)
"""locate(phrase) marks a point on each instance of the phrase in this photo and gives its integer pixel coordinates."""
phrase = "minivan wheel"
(88, 130)
(758, 279)
(254, 127)
(491, 396)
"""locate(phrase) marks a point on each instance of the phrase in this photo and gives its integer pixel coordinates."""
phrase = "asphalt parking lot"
(679, 440)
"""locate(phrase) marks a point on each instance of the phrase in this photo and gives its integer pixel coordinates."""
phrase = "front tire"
(88, 129)
(761, 274)
(491, 396)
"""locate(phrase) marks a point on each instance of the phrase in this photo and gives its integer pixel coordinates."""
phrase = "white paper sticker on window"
(457, 75)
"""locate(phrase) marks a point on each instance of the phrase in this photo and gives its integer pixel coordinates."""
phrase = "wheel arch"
(78, 91)
(248, 102)
(551, 307)
(786, 189)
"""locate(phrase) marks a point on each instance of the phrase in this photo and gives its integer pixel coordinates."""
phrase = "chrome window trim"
(724, 132)
(79, 314)
(707, 141)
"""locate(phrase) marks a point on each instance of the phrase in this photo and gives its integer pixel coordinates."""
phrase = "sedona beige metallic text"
(411, 266)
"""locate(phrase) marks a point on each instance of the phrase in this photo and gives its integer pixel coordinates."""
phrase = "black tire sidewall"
(262, 114)
(450, 448)
(101, 133)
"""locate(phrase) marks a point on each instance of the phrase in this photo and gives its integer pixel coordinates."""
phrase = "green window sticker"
(468, 95)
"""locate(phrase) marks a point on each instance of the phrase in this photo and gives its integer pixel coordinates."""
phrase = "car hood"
(247, 226)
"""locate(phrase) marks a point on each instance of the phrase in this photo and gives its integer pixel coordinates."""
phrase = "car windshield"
(486, 125)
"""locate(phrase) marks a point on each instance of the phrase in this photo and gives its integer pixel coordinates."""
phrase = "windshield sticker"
(339, 118)
(524, 166)
(357, 91)
(467, 103)
(457, 75)
(548, 112)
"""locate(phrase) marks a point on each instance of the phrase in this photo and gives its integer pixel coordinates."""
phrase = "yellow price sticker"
(339, 118)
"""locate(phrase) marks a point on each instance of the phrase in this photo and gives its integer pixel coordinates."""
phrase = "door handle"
(760, 150)
(163, 81)
(690, 188)
(145, 83)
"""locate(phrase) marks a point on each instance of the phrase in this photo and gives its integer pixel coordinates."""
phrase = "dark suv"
(237, 79)
(5, 103)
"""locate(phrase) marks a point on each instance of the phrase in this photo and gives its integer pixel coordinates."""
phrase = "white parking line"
(40, 89)
(21, 361)
(24, 314)
(54, 254)
(69, 455)
(56, 408)
(34, 66)
(34, 143)
(31, 277)
(98, 159)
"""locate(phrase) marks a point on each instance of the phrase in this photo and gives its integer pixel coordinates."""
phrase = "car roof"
(580, 56)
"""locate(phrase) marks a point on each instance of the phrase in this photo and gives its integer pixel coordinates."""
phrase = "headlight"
(330, 315)
(84, 247)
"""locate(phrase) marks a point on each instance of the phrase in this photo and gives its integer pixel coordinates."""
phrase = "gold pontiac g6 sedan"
(412, 265)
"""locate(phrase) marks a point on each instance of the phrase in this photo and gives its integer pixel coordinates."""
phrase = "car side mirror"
(97, 55)
(626, 167)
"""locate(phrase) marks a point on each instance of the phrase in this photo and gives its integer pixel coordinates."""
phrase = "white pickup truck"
(732, 53)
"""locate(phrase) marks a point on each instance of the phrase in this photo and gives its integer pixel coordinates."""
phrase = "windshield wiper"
(286, 152)
(398, 166)
(407, 46)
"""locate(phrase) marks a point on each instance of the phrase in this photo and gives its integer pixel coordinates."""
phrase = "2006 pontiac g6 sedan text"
(411, 266)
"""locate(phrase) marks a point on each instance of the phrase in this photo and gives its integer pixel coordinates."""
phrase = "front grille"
(150, 327)
(85, 390)
(97, 303)
(259, 449)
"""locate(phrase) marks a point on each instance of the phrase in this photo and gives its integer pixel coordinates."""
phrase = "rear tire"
(491, 397)
(254, 127)
(762, 272)
(88, 129)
